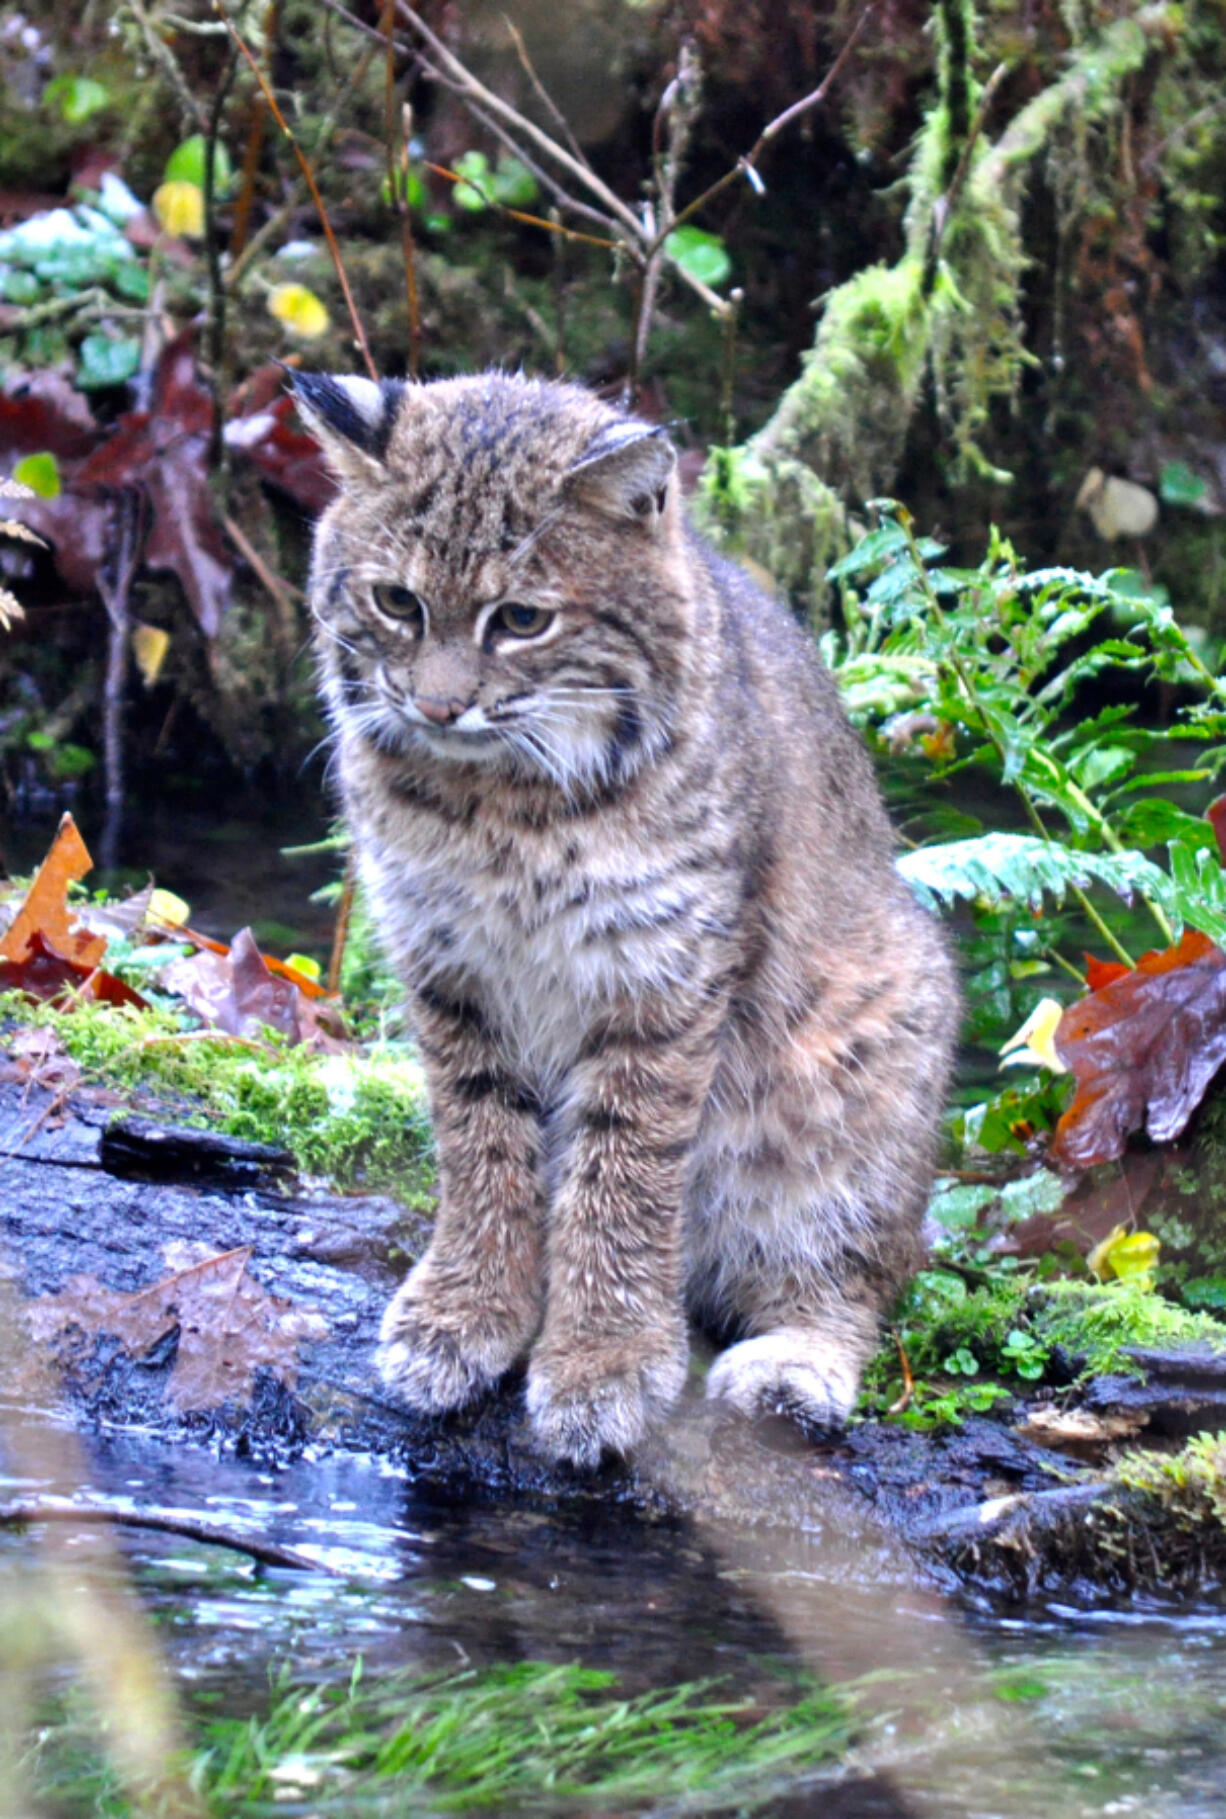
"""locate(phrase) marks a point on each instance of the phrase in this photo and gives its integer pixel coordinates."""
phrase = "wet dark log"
(974, 1505)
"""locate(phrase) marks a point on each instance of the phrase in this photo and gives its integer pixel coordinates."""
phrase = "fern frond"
(998, 867)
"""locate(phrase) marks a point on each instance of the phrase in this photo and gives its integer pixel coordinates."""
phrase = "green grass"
(530, 1738)
(356, 1118)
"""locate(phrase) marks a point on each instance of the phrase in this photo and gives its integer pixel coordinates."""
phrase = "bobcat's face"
(501, 597)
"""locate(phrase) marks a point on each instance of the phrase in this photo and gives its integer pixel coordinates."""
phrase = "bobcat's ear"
(625, 469)
(352, 417)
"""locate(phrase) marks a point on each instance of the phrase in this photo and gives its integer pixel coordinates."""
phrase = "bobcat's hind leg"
(808, 1370)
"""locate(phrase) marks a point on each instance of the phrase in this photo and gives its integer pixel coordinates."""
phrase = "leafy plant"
(991, 665)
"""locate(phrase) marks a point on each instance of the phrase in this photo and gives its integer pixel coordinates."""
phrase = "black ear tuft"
(359, 412)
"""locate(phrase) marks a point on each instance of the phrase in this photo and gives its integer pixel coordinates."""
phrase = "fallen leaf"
(1102, 972)
(244, 993)
(229, 1326)
(1034, 1041)
(161, 454)
(299, 309)
(1125, 1256)
(266, 435)
(45, 911)
(179, 208)
(149, 647)
(1143, 1048)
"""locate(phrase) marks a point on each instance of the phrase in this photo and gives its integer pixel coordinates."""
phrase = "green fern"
(994, 868)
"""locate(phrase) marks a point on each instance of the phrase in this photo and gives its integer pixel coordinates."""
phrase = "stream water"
(1059, 1708)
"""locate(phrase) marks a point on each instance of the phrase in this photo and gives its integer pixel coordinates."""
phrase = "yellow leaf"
(1126, 1257)
(165, 907)
(149, 646)
(300, 310)
(1036, 1040)
(179, 208)
(303, 963)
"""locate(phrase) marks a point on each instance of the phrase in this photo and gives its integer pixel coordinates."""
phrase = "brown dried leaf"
(229, 1325)
(242, 993)
(1144, 1048)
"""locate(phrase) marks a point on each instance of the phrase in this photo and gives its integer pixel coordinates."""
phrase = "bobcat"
(686, 1032)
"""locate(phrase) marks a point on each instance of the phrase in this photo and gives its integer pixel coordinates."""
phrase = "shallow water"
(1058, 1709)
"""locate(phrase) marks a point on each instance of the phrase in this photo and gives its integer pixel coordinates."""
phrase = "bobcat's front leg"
(471, 1306)
(613, 1350)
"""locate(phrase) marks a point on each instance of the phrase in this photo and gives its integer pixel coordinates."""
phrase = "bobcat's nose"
(442, 713)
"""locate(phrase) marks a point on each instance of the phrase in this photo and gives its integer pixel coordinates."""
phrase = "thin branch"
(542, 93)
(518, 214)
(268, 1553)
(944, 206)
(454, 74)
(305, 167)
(162, 54)
(561, 196)
(772, 130)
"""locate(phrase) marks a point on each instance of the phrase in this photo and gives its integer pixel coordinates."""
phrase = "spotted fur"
(686, 1032)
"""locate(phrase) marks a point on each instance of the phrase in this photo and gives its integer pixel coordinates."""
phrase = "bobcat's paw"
(810, 1378)
(434, 1358)
(588, 1399)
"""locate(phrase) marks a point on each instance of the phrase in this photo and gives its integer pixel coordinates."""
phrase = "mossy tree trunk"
(948, 307)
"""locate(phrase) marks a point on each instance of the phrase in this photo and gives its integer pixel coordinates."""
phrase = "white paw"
(799, 1374)
(590, 1403)
(433, 1362)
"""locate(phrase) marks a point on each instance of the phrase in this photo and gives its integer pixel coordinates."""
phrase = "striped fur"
(687, 1034)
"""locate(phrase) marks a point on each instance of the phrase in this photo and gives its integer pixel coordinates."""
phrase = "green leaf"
(704, 256)
(18, 287)
(514, 185)
(1178, 485)
(78, 97)
(186, 164)
(872, 552)
(1199, 890)
(408, 187)
(1153, 821)
(105, 362)
(40, 472)
(474, 195)
(1000, 867)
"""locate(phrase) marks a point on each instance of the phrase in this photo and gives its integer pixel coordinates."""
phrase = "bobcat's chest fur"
(545, 928)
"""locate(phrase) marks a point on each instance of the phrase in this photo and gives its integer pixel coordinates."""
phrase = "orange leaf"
(1102, 972)
(45, 911)
(1144, 1048)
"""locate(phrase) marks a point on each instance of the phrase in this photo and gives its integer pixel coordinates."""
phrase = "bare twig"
(217, 289)
(115, 584)
(279, 591)
(749, 162)
(454, 75)
(542, 93)
(673, 126)
(162, 55)
(309, 175)
(340, 934)
(268, 1553)
(555, 189)
(398, 181)
(517, 214)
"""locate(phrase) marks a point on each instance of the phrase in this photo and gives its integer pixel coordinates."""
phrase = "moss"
(951, 303)
(1190, 1485)
(357, 1119)
(970, 1346)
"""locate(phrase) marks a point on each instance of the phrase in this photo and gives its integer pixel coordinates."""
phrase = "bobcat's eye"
(522, 621)
(399, 602)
